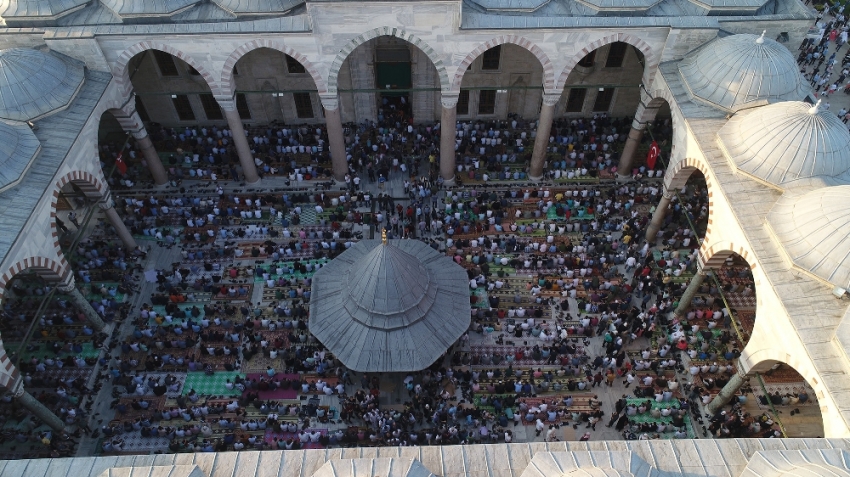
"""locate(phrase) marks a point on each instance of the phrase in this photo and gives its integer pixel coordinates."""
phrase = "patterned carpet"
(211, 385)
(309, 215)
(133, 442)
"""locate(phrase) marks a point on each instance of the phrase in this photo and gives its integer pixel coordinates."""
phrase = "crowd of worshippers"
(820, 66)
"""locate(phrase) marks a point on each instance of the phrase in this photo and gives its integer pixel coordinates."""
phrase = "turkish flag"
(652, 155)
(120, 164)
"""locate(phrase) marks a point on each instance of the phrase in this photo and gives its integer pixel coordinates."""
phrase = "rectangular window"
(616, 54)
(293, 66)
(603, 100)
(183, 107)
(140, 108)
(463, 102)
(242, 106)
(491, 57)
(166, 64)
(487, 101)
(588, 60)
(303, 105)
(211, 108)
(575, 101)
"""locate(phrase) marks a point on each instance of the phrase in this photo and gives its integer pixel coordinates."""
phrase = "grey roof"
(511, 5)
(41, 8)
(35, 83)
(258, 6)
(155, 471)
(386, 467)
(742, 71)
(389, 308)
(814, 231)
(56, 133)
(731, 5)
(147, 7)
(205, 12)
(620, 4)
(800, 463)
(788, 144)
(18, 148)
(681, 457)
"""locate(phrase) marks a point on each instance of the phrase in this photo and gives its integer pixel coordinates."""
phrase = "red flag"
(120, 164)
(652, 155)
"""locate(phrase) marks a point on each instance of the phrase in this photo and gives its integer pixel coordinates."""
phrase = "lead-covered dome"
(34, 83)
(788, 144)
(18, 148)
(741, 71)
(814, 230)
(392, 306)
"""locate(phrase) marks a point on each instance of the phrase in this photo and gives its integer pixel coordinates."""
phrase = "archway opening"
(498, 106)
(389, 81)
(686, 222)
(597, 109)
(277, 99)
(779, 392)
(183, 118)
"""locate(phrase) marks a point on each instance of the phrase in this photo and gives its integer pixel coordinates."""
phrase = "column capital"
(636, 124)
(329, 100)
(449, 99)
(139, 134)
(551, 99)
(106, 201)
(668, 194)
(67, 284)
(227, 103)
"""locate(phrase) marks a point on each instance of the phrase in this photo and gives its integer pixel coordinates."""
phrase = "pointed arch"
(648, 55)
(545, 62)
(48, 268)
(228, 87)
(333, 75)
(121, 71)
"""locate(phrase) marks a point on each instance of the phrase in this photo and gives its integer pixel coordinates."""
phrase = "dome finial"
(814, 109)
(761, 38)
(384, 236)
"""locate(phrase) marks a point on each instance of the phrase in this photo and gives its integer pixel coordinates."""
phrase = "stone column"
(246, 158)
(133, 124)
(38, 409)
(693, 287)
(725, 395)
(108, 206)
(144, 143)
(448, 126)
(336, 139)
(624, 168)
(658, 217)
(69, 287)
(541, 142)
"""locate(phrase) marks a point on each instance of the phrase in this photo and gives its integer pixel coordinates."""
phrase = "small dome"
(741, 71)
(388, 281)
(814, 231)
(597, 472)
(815, 470)
(35, 83)
(788, 144)
(18, 148)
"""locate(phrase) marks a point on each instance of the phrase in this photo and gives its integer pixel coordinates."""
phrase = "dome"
(387, 281)
(814, 231)
(788, 144)
(597, 472)
(35, 83)
(815, 470)
(389, 307)
(18, 148)
(741, 71)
